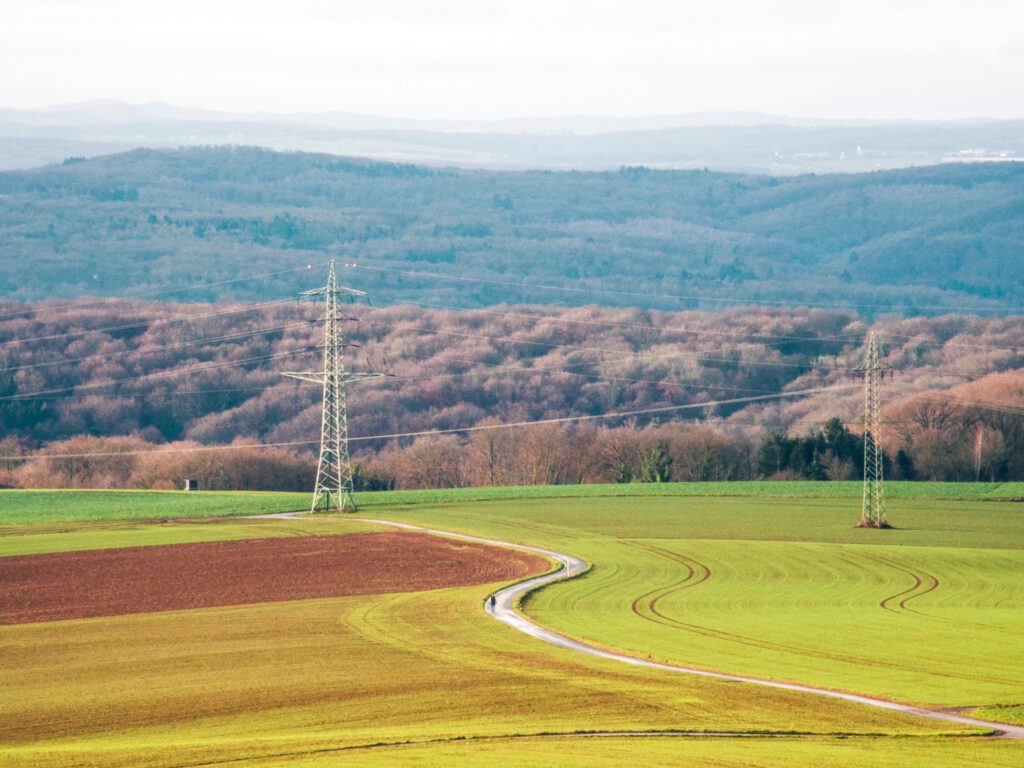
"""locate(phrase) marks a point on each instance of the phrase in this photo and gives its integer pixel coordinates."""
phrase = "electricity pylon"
(334, 472)
(873, 512)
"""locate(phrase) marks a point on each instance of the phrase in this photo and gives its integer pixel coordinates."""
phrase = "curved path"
(507, 598)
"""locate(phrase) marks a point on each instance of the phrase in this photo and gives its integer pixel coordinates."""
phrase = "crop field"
(131, 580)
(930, 612)
(39, 506)
(779, 586)
(17, 506)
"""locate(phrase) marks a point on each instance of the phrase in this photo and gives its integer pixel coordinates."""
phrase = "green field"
(789, 588)
(54, 506)
(42, 506)
(778, 584)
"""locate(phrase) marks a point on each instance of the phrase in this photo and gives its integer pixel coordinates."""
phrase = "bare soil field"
(111, 582)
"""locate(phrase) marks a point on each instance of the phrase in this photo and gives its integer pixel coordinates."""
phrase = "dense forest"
(696, 393)
(203, 223)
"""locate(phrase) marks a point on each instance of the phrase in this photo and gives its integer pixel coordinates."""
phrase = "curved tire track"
(648, 611)
(505, 611)
(924, 583)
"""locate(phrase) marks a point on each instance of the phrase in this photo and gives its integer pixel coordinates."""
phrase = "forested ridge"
(918, 240)
(111, 376)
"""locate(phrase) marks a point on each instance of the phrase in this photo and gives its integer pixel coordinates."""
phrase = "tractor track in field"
(647, 609)
(693, 568)
(508, 598)
(924, 583)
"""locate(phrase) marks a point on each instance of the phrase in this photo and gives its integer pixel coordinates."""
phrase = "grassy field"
(69, 537)
(275, 681)
(52, 506)
(56, 506)
(788, 588)
(780, 585)
(669, 752)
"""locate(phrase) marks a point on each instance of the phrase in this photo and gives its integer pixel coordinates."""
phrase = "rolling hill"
(916, 241)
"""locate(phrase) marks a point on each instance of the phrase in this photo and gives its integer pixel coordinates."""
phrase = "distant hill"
(917, 241)
(737, 142)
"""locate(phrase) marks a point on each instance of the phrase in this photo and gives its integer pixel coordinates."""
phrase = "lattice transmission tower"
(873, 512)
(334, 472)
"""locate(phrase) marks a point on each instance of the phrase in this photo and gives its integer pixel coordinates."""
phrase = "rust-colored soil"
(110, 582)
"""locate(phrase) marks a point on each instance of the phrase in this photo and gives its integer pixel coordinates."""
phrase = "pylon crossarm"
(337, 290)
(353, 378)
(313, 376)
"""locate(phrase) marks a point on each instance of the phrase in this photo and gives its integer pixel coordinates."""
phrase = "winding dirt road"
(507, 599)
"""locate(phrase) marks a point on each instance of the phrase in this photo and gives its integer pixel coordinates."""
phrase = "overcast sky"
(491, 58)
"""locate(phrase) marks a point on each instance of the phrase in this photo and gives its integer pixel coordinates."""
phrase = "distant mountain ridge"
(746, 142)
(112, 112)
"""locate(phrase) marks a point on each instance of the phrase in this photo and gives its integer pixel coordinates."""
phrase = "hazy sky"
(490, 58)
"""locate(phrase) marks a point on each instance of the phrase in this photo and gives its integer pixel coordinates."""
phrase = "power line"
(158, 375)
(751, 336)
(597, 376)
(461, 430)
(163, 348)
(63, 307)
(57, 393)
(631, 357)
(174, 393)
(453, 430)
(150, 323)
(657, 356)
(499, 367)
(660, 330)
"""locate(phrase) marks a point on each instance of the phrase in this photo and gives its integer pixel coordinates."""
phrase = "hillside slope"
(211, 374)
(918, 240)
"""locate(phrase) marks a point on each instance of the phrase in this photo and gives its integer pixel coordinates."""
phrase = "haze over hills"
(737, 141)
(916, 241)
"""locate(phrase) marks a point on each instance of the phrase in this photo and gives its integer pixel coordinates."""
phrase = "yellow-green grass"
(1009, 713)
(931, 613)
(300, 683)
(671, 752)
(67, 537)
(41, 506)
(304, 679)
(918, 522)
(54, 506)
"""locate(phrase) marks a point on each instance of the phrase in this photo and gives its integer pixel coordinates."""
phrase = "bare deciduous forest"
(154, 382)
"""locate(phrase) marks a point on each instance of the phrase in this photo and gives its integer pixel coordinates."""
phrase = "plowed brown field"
(109, 582)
